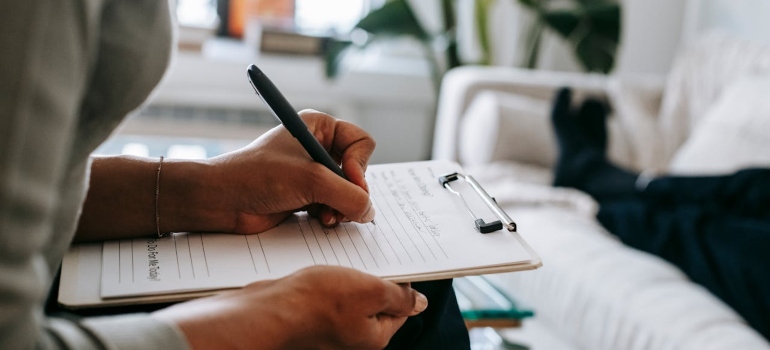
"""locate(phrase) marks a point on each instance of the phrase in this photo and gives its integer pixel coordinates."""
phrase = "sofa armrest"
(461, 85)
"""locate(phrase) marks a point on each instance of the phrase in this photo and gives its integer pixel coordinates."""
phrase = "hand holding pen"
(348, 143)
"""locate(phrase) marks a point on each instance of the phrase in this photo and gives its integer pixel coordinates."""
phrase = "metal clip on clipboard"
(481, 226)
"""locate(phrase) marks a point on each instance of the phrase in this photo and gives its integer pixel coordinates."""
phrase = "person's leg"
(726, 254)
(745, 193)
(440, 326)
(582, 164)
(582, 141)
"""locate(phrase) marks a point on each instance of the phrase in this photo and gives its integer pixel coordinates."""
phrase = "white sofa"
(593, 291)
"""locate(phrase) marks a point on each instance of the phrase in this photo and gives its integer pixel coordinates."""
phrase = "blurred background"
(379, 63)
(382, 64)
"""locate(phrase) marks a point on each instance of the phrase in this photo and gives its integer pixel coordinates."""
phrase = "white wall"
(651, 35)
(747, 19)
(654, 30)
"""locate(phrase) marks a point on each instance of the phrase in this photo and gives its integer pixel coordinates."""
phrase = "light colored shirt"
(70, 70)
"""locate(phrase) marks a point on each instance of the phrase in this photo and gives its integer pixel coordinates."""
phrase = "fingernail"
(331, 220)
(369, 215)
(421, 302)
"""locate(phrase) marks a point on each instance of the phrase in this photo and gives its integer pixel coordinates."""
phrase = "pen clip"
(252, 85)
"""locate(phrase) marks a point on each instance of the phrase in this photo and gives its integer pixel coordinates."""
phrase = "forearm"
(121, 199)
(133, 331)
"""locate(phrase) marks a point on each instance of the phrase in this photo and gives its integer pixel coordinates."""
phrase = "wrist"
(190, 198)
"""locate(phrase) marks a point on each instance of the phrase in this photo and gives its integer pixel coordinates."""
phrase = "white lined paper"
(421, 229)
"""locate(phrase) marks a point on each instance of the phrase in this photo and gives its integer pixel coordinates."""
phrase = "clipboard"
(449, 246)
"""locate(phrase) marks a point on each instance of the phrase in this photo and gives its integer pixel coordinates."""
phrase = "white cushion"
(635, 101)
(699, 77)
(734, 134)
(500, 125)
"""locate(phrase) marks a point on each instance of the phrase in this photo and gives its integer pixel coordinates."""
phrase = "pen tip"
(374, 223)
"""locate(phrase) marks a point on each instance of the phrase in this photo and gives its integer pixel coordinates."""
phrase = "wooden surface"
(494, 323)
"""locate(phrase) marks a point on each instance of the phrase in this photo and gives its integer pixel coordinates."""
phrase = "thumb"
(342, 195)
(402, 300)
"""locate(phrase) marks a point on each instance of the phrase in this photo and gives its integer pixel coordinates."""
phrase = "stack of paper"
(422, 232)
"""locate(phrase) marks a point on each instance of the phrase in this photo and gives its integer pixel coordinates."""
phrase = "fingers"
(351, 144)
(355, 159)
(325, 214)
(349, 199)
(329, 217)
(402, 300)
(371, 295)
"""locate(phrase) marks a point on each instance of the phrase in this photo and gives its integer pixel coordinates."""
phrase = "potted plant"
(590, 27)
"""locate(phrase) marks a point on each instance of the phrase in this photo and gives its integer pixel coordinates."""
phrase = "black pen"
(288, 116)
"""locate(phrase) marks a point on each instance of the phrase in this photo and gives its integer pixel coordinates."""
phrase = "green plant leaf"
(531, 4)
(395, 18)
(334, 52)
(482, 11)
(534, 33)
(452, 51)
(605, 17)
(592, 27)
(563, 22)
(594, 55)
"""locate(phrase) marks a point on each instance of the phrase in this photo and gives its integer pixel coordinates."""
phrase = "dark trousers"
(440, 326)
(716, 229)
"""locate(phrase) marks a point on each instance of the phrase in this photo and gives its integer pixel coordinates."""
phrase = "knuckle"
(309, 275)
(369, 141)
(367, 147)
(314, 116)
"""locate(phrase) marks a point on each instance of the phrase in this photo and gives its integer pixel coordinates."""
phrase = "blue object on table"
(480, 300)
